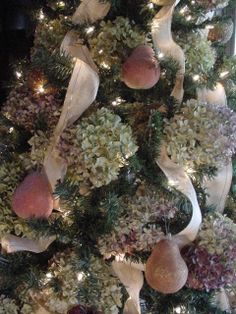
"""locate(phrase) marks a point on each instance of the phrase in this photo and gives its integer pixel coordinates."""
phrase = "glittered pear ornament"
(33, 197)
(166, 271)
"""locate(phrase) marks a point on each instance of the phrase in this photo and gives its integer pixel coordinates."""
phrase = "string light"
(80, 276)
(177, 310)
(61, 4)
(171, 182)
(161, 55)
(41, 15)
(224, 74)
(150, 5)
(193, 2)
(188, 18)
(183, 10)
(209, 26)
(49, 275)
(90, 29)
(11, 129)
(41, 89)
(18, 74)
(196, 77)
(117, 101)
(100, 51)
(105, 65)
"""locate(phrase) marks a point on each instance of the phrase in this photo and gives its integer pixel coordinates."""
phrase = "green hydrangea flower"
(8, 306)
(201, 134)
(200, 56)
(11, 174)
(97, 148)
(115, 38)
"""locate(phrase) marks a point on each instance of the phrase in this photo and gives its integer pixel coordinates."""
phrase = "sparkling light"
(49, 275)
(40, 89)
(11, 129)
(117, 101)
(18, 74)
(178, 310)
(188, 18)
(61, 4)
(150, 5)
(196, 77)
(100, 51)
(161, 55)
(105, 65)
(209, 26)
(80, 276)
(41, 15)
(224, 74)
(90, 29)
(183, 10)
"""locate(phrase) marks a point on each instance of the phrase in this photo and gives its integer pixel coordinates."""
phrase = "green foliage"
(187, 301)
(55, 66)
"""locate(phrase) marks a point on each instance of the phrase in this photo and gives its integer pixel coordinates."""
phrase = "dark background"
(16, 37)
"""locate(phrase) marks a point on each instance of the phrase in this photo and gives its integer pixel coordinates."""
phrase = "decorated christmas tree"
(117, 173)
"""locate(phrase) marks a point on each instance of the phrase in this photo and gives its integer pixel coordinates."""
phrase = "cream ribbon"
(89, 11)
(164, 43)
(82, 89)
(11, 244)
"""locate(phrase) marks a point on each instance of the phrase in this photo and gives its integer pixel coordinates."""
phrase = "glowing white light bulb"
(224, 74)
(171, 182)
(80, 276)
(161, 55)
(117, 101)
(40, 89)
(90, 29)
(41, 15)
(188, 18)
(183, 10)
(105, 65)
(18, 74)
(196, 77)
(61, 4)
(11, 129)
(150, 5)
(100, 51)
(49, 275)
(209, 26)
(178, 310)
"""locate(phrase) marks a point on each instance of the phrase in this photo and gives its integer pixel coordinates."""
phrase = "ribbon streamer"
(163, 42)
(132, 279)
(218, 188)
(181, 181)
(90, 11)
(11, 244)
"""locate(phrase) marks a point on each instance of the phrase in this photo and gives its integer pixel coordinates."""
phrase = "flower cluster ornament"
(201, 134)
(138, 227)
(97, 148)
(26, 107)
(8, 305)
(212, 4)
(211, 259)
(200, 56)
(114, 40)
(96, 287)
